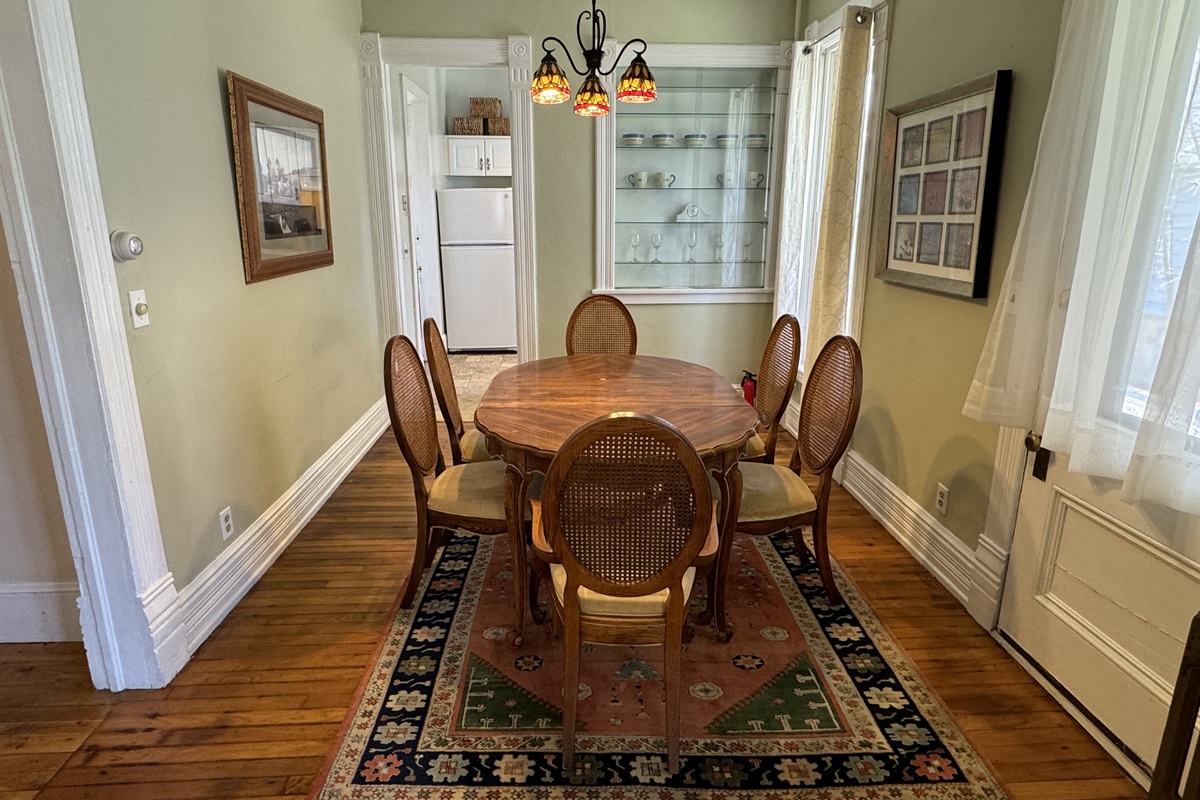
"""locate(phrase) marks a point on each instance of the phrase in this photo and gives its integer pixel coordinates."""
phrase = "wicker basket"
(468, 126)
(485, 107)
(497, 126)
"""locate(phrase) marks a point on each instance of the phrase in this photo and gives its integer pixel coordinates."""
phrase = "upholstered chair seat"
(771, 492)
(473, 446)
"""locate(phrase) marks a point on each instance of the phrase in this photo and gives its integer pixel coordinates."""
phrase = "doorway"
(409, 243)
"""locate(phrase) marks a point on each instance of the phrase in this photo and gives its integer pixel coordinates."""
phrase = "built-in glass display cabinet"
(689, 182)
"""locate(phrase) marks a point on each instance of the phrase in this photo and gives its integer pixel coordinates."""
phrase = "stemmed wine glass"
(656, 242)
(691, 243)
(746, 247)
(719, 253)
(635, 240)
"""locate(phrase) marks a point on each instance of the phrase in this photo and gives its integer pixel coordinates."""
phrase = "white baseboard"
(973, 577)
(39, 612)
(223, 583)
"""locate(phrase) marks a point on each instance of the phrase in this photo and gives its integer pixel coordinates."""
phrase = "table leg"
(515, 484)
(730, 483)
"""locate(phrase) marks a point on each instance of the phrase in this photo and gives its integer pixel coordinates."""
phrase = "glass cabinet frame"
(678, 209)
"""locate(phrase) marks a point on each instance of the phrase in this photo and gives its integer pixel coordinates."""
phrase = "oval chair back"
(776, 379)
(601, 324)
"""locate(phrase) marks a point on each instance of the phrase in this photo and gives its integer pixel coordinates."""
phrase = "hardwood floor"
(258, 707)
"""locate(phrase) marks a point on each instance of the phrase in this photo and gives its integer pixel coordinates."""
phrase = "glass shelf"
(690, 104)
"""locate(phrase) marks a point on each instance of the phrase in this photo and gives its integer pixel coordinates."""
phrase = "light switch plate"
(136, 298)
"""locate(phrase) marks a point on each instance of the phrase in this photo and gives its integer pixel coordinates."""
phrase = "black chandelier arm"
(617, 60)
(549, 51)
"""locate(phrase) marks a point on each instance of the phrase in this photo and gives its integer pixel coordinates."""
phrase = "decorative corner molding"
(371, 60)
(207, 600)
(946, 556)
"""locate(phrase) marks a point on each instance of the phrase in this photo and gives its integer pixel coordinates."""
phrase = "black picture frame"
(959, 181)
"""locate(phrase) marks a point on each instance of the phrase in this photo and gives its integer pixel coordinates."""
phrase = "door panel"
(1100, 600)
(422, 208)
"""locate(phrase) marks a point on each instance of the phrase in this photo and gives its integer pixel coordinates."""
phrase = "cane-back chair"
(601, 324)
(776, 380)
(466, 496)
(625, 519)
(466, 444)
(776, 498)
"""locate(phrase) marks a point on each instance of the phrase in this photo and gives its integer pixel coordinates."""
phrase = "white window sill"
(673, 297)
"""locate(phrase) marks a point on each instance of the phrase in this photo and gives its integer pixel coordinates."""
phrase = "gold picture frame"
(282, 181)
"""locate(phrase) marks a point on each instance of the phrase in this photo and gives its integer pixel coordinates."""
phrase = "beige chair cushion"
(476, 490)
(755, 448)
(604, 605)
(771, 492)
(594, 604)
(473, 445)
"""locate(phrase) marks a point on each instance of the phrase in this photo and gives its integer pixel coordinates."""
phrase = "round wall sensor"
(125, 245)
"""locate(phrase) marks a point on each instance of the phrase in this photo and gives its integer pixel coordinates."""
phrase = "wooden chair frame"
(444, 388)
(550, 546)
(404, 378)
(776, 380)
(598, 303)
(818, 517)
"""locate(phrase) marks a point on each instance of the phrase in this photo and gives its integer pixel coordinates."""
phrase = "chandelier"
(550, 83)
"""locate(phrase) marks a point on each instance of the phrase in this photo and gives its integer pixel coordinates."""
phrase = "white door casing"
(515, 53)
(53, 213)
(421, 207)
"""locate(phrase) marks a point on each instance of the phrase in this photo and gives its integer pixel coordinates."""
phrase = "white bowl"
(756, 140)
(633, 139)
(694, 140)
(727, 140)
(664, 139)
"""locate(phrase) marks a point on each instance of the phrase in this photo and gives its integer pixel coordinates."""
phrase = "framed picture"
(937, 186)
(282, 188)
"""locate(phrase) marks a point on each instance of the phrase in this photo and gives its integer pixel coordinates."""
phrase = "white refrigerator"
(479, 277)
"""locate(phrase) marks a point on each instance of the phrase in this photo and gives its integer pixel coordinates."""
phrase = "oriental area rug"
(806, 701)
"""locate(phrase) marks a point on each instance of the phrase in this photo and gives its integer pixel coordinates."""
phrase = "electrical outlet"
(225, 520)
(943, 497)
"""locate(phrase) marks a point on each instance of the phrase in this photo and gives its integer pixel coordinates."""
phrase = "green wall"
(920, 349)
(241, 387)
(727, 338)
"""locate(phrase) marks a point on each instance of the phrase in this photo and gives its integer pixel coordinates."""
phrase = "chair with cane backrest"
(466, 445)
(776, 498)
(467, 496)
(601, 324)
(776, 380)
(625, 517)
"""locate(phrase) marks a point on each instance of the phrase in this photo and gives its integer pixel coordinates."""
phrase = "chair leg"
(821, 543)
(437, 539)
(420, 557)
(672, 659)
(800, 545)
(570, 686)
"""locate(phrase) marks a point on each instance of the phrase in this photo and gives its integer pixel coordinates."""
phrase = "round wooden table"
(529, 410)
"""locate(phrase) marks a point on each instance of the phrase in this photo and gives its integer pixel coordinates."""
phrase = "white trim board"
(207, 600)
(39, 612)
(971, 576)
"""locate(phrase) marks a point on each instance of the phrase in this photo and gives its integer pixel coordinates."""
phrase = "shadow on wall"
(966, 470)
(877, 440)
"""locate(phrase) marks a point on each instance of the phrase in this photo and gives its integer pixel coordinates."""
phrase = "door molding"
(995, 543)
(53, 214)
(378, 55)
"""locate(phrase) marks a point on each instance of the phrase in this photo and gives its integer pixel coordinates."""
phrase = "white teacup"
(638, 179)
(728, 179)
(663, 179)
(754, 180)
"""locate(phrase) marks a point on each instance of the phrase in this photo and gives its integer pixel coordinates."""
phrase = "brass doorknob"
(1033, 441)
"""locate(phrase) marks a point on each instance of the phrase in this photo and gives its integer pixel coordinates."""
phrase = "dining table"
(528, 412)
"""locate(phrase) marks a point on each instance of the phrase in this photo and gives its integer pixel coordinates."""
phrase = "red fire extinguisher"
(749, 385)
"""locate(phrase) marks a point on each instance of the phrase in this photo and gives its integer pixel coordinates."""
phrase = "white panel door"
(422, 205)
(465, 156)
(497, 158)
(1099, 594)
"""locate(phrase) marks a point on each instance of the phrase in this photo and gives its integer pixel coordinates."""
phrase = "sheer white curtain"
(1095, 338)
(797, 167)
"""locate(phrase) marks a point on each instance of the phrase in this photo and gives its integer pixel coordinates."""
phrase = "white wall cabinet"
(478, 156)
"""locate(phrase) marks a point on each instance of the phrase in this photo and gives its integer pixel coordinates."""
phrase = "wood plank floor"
(258, 707)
